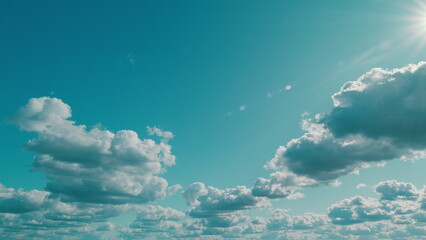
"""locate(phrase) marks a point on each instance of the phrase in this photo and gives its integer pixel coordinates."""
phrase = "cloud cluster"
(19, 201)
(353, 218)
(33, 215)
(220, 208)
(96, 165)
(377, 118)
(398, 200)
(165, 135)
(357, 210)
(280, 220)
(222, 216)
(155, 222)
(401, 217)
(281, 185)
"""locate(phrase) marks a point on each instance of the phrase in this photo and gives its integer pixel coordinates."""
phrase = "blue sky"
(232, 81)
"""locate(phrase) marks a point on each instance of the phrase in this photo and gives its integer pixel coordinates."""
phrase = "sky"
(213, 119)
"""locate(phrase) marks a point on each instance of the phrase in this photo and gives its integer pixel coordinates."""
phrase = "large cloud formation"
(377, 118)
(96, 165)
(96, 175)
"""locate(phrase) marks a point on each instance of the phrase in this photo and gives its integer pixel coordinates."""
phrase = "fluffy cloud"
(220, 208)
(377, 118)
(280, 185)
(383, 104)
(392, 190)
(155, 222)
(399, 203)
(353, 218)
(33, 215)
(19, 201)
(320, 156)
(357, 210)
(194, 191)
(96, 165)
(280, 220)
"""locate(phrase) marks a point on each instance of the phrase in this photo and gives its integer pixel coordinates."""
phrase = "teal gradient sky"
(191, 68)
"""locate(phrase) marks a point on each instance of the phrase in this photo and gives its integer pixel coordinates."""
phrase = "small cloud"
(241, 108)
(274, 93)
(172, 190)
(132, 59)
(295, 196)
(361, 185)
(165, 135)
(392, 190)
(336, 183)
(286, 88)
(305, 114)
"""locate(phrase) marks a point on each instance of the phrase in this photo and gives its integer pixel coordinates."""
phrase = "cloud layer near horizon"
(358, 217)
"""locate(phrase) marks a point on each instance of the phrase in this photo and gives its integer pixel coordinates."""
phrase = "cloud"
(33, 215)
(383, 104)
(375, 119)
(220, 208)
(392, 190)
(320, 156)
(287, 87)
(222, 216)
(280, 185)
(172, 190)
(165, 135)
(274, 93)
(357, 210)
(360, 185)
(96, 165)
(155, 221)
(19, 201)
(280, 220)
(399, 202)
(193, 192)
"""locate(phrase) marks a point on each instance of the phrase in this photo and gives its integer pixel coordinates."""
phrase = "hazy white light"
(416, 25)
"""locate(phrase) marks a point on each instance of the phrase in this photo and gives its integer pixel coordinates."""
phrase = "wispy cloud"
(243, 108)
(272, 94)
